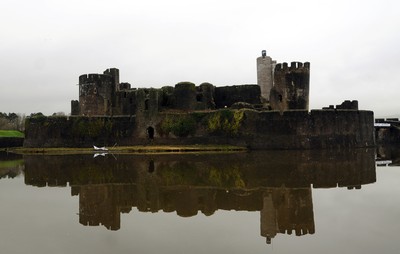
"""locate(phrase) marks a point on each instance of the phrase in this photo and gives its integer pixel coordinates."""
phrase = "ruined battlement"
(347, 104)
(112, 72)
(299, 230)
(293, 66)
(94, 78)
(291, 87)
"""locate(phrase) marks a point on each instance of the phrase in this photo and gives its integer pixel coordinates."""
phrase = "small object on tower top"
(264, 53)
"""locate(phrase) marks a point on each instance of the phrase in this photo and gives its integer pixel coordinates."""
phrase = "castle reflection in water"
(276, 183)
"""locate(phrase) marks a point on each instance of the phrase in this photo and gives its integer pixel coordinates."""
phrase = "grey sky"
(353, 47)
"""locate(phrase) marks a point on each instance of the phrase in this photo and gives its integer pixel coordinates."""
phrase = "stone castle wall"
(254, 129)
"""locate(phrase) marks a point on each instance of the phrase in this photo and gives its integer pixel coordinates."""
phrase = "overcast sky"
(353, 47)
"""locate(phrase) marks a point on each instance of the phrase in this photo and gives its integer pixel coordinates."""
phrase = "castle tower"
(265, 74)
(291, 87)
(185, 96)
(95, 94)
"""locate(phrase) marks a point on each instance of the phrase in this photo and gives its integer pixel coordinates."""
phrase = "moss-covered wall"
(254, 129)
(77, 131)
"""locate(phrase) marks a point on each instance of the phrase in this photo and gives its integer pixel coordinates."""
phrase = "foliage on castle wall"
(226, 122)
(245, 127)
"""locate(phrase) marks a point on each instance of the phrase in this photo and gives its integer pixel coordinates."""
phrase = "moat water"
(257, 202)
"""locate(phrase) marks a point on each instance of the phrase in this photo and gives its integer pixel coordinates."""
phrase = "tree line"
(15, 121)
(12, 121)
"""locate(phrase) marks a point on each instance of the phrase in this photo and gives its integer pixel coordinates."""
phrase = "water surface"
(258, 202)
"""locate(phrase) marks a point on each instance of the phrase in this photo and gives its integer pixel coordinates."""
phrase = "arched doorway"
(150, 132)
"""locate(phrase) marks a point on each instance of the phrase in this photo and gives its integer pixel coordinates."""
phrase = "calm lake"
(256, 202)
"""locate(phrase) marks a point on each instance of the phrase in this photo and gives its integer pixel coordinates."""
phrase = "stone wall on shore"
(328, 128)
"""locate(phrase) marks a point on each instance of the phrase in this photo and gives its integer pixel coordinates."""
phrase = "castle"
(279, 87)
(273, 114)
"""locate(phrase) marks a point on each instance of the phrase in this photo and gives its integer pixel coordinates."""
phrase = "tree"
(12, 121)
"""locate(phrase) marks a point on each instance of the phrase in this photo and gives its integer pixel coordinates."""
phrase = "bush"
(225, 122)
(179, 125)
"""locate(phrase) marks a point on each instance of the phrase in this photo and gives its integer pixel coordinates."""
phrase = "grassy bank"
(132, 149)
(11, 134)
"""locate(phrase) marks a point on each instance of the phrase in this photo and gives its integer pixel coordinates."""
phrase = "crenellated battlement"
(111, 71)
(293, 66)
(94, 78)
(298, 230)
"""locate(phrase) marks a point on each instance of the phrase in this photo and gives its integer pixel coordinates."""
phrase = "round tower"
(95, 94)
(185, 96)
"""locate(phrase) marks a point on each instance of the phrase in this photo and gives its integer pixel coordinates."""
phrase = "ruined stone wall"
(309, 130)
(78, 131)
(166, 97)
(226, 96)
(126, 103)
(102, 94)
(205, 96)
(250, 128)
(75, 108)
(291, 87)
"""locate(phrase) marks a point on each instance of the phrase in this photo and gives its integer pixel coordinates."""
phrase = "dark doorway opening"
(151, 166)
(150, 132)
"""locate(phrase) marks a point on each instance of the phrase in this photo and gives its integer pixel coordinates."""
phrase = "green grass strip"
(11, 134)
